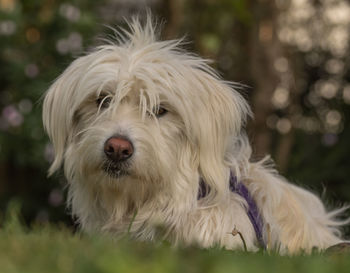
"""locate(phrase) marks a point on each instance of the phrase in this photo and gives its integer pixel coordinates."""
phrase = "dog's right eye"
(103, 101)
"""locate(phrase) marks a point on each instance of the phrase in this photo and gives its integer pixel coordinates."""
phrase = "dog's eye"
(103, 101)
(161, 111)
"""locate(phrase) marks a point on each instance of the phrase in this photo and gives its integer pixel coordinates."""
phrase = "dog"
(152, 144)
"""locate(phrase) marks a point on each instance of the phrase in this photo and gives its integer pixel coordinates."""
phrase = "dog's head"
(145, 110)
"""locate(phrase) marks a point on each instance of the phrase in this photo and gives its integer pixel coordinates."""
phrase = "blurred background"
(291, 54)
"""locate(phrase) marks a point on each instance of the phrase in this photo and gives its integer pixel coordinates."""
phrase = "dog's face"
(142, 111)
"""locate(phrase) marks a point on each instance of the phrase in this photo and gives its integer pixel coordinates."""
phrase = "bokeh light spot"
(32, 35)
(283, 126)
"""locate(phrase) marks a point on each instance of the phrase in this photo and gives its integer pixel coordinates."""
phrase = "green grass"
(53, 249)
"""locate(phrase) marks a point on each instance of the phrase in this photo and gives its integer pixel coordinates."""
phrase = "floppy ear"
(55, 122)
(221, 116)
(58, 112)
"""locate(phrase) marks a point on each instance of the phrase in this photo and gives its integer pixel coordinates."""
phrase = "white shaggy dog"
(150, 136)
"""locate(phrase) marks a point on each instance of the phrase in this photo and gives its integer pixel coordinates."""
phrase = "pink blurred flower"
(12, 116)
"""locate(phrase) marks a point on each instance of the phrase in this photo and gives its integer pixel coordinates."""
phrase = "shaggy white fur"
(118, 90)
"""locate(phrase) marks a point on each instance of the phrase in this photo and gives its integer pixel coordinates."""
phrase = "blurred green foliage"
(32, 56)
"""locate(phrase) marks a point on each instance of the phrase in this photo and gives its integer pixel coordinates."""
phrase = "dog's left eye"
(103, 101)
(161, 111)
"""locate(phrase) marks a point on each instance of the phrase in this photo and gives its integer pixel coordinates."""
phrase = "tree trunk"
(265, 51)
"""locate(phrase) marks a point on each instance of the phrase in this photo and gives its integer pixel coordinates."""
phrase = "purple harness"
(252, 210)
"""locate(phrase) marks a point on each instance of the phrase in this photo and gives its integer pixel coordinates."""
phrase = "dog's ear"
(221, 114)
(58, 112)
(54, 119)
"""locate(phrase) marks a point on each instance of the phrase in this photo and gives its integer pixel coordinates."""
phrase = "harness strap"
(252, 209)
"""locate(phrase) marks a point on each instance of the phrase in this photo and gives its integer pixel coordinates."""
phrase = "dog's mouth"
(116, 170)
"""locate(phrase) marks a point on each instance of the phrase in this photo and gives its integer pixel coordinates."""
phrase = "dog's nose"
(118, 149)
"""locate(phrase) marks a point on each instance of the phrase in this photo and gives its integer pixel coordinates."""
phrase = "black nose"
(118, 149)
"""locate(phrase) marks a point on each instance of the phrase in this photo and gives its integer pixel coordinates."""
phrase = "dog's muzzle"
(118, 150)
